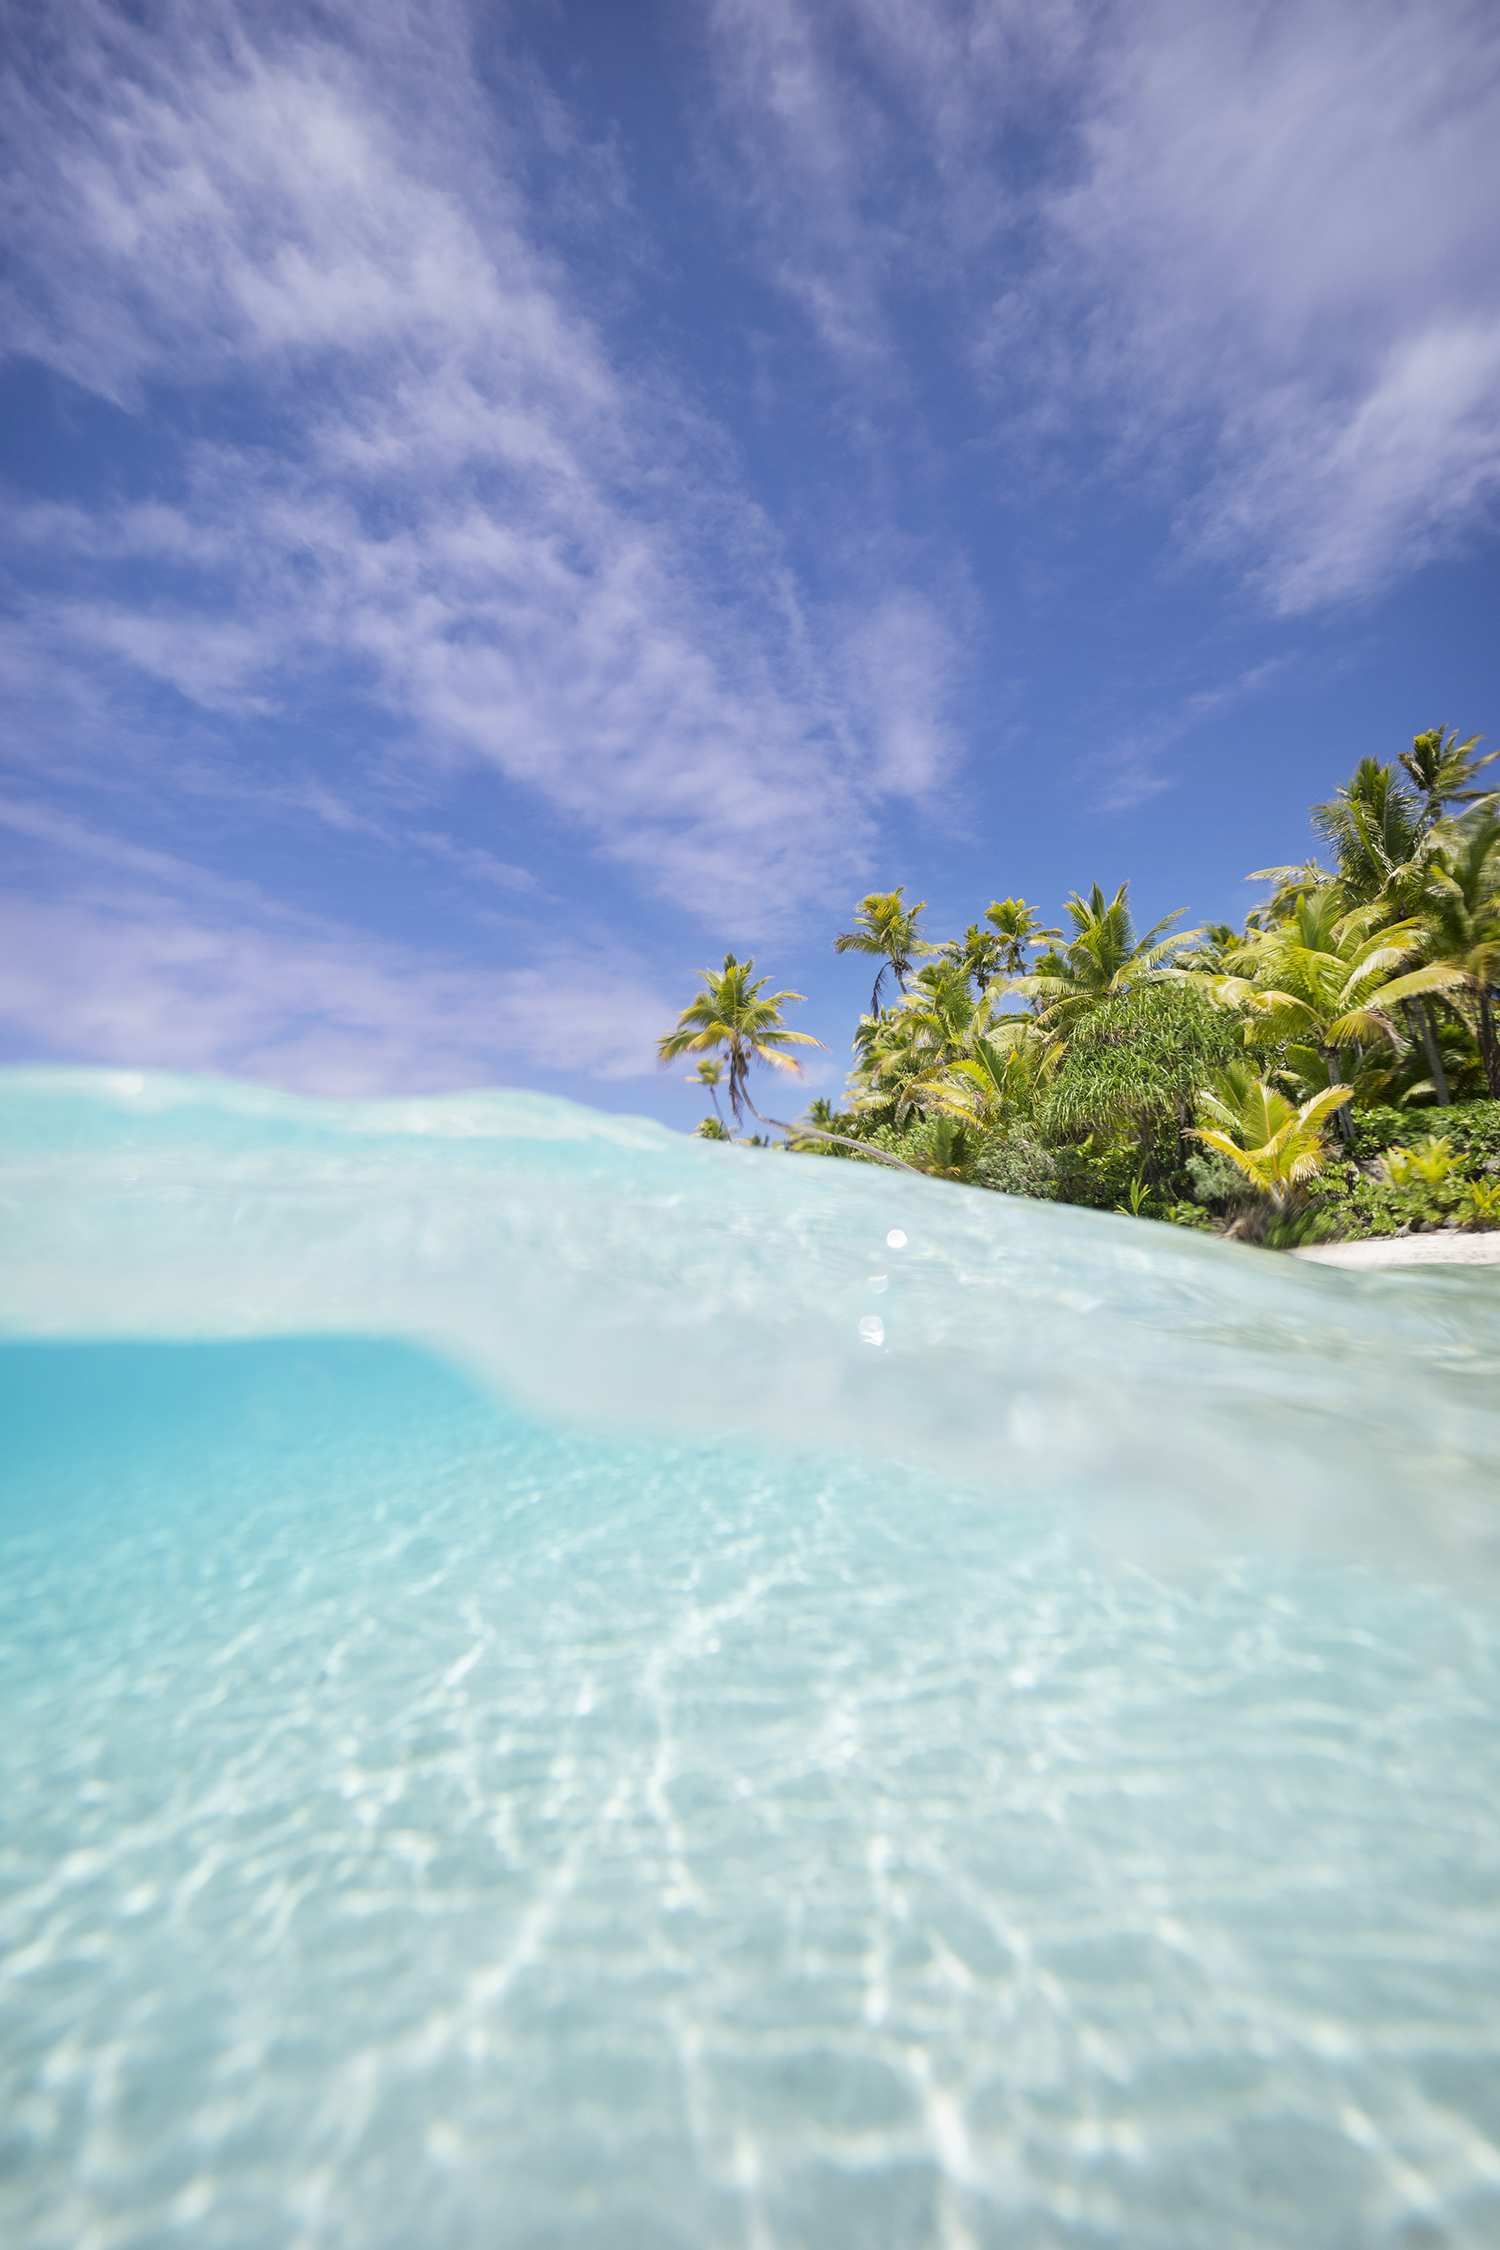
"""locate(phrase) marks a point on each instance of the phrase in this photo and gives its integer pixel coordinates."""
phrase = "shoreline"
(1440, 1249)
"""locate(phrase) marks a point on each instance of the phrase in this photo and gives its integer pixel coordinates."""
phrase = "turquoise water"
(521, 1725)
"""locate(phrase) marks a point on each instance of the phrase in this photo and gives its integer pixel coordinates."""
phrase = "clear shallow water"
(731, 1783)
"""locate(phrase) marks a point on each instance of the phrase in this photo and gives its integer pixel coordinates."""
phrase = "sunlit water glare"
(523, 1721)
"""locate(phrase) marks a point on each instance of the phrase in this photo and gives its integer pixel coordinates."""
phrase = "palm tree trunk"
(1343, 1122)
(816, 1133)
(1419, 1016)
(1488, 1046)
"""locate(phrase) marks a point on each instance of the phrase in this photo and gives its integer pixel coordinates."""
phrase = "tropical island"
(1331, 1070)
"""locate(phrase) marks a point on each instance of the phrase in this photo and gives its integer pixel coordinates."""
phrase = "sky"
(503, 503)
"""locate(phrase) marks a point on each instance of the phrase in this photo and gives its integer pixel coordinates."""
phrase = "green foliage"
(1100, 1172)
(735, 1017)
(949, 1149)
(1103, 957)
(1277, 1146)
(1272, 1082)
(1016, 1163)
(1473, 1128)
(1479, 1204)
(1371, 1195)
(845, 1123)
(1430, 1162)
(1213, 1180)
(1294, 1229)
(1142, 1054)
(1190, 1215)
(713, 1129)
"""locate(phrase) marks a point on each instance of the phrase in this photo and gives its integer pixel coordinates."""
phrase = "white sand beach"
(1409, 1250)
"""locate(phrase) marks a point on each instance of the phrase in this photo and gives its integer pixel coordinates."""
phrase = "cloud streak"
(525, 559)
(129, 955)
(1249, 255)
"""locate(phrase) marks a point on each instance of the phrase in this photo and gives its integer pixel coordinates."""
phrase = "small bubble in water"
(896, 1239)
(872, 1328)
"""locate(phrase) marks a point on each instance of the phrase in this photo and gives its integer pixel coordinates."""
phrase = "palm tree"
(887, 928)
(731, 1017)
(1274, 1142)
(1017, 926)
(903, 1050)
(1442, 767)
(1291, 883)
(1374, 827)
(1322, 979)
(992, 1084)
(1460, 930)
(1103, 957)
(979, 953)
(709, 1074)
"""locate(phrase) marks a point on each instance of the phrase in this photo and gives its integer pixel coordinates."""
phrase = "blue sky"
(504, 503)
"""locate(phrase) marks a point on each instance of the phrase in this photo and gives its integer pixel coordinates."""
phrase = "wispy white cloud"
(1130, 770)
(868, 143)
(530, 560)
(1249, 252)
(1288, 223)
(130, 955)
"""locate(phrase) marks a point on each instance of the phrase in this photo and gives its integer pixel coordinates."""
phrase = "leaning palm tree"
(732, 1016)
(1275, 1143)
(1104, 957)
(735, 1017)
(886, 927)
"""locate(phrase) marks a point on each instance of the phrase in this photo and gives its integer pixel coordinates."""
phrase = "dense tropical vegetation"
(1331, 1068)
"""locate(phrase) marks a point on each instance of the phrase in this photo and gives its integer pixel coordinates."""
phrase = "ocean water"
(562, 1686)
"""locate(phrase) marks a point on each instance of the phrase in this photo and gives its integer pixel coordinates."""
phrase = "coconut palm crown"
(1325, 979)
(1443, 768)
(735, 1017)
(1277, 1144)
(885, 926)
(1103, 957)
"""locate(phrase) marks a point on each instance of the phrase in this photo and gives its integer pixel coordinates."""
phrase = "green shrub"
(1472, 1127)
(1138, 1059)
(1214, 1181)
(1190, 1215)
(1428, 1164)
(1294, 1230)
(1016, 1163)
(1102, 1171)
(1479, 1204)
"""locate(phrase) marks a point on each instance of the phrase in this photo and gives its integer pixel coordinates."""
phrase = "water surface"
(522, 1726)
